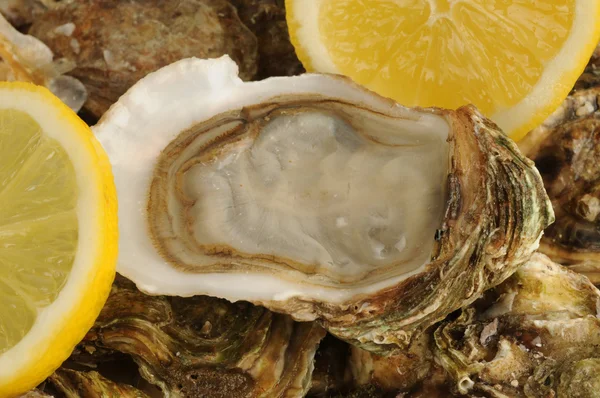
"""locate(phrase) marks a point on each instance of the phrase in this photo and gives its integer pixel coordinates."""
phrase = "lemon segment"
(38, 223)
(58, 234)
(515, 60)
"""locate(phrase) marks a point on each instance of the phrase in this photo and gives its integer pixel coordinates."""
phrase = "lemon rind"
(60, 326)
(553, 86)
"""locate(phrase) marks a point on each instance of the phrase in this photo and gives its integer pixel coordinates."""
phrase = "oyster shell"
(24, 58)
(566, 150)
(535, 335)
(76, 384)
(317, 198)
(398, 373)
(23, 12)
(591, 75)
(342, 369)
(115, 43)
(203, 346)
(36, 394)
(266, 19)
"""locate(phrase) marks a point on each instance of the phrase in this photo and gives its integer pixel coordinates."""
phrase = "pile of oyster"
(301, 236)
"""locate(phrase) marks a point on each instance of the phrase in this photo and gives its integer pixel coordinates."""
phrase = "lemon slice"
(516, 60)
(58, 233)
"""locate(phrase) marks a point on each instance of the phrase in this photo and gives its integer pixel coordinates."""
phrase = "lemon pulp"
(446, 53)
(38, 223)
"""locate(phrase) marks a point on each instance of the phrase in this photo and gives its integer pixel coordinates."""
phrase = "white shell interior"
(342, 202)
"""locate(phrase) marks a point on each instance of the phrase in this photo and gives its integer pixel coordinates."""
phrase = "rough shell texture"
(203, 346)
(345, 370)
(591, 75)
(36, 394)
(266, 19)
(23, 12)
(75, 384)
(492, 220)
(566, 150)
(535, 335)
(114, 43)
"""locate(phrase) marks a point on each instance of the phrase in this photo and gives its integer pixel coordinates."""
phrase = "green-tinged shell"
(495, 213)
(535, 335)
(205, 347)
(76, 384)
(566, 150)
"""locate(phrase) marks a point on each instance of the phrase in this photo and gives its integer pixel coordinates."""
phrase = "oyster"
(535, 335)
(203, 346)
(24, 58)
(566, 150)
(115, 43)
(317, 198)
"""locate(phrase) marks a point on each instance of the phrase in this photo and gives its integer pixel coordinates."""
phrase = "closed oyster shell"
(566, 150)
(535, 335)
(115, 43)
(203, 346)
(317, 198)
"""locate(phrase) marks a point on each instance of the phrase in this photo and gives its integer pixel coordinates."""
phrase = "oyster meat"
(115, 43)
(535, 335)
(25, 58)
(317, 198)
(203, 346)
(566, 150)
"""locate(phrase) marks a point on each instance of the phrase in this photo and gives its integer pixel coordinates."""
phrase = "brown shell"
(203, 346)
(566, 150)
(115, 43)
(496, 211)
(535, 335)
(75, 384)
(266, 19)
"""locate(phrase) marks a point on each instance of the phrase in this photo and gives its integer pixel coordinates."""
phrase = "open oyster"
(317, 198)
(535, 335)
(203, 346)
(566, 150)
(24, 58)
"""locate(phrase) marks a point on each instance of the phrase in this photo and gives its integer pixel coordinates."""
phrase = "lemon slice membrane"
(515, 60)
(57, 233)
